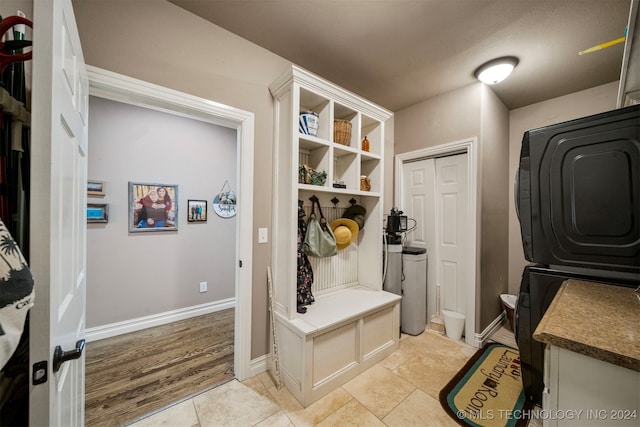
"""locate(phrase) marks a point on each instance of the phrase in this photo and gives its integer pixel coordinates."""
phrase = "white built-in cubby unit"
(353, 323)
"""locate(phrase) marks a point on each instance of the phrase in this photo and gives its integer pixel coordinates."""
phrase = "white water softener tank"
(413, 307)
(393, 277)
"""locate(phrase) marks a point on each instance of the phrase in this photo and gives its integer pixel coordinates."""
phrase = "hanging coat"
(305, 273)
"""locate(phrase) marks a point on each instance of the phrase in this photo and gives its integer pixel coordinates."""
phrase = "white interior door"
(58, 215)
(451, 216)
(418, 202)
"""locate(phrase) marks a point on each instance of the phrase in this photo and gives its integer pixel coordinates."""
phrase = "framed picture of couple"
(153, 207)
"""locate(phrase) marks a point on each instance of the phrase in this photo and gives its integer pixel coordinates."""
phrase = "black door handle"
(60, 356)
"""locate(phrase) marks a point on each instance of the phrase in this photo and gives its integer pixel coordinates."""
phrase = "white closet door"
(451, 216)
(419, 204)
(435, 195)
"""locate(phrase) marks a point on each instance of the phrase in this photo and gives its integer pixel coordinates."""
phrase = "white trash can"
(453, 324)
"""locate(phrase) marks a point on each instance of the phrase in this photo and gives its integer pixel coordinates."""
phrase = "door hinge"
(240, 263)
(39, 372)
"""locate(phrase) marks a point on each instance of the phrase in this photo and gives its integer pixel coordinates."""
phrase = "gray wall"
(579, 104)
(131, 275)
(494, 255)
(155, 41)
(473, 111)
(158, 42)
(439, 120)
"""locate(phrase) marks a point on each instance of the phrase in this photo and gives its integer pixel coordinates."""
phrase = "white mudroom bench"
(342, 334)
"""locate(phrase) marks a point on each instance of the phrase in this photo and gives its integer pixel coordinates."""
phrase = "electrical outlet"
(203, 286)
(262, 235)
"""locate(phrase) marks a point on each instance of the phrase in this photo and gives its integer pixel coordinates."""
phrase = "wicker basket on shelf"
(342, 131)
(365, 183)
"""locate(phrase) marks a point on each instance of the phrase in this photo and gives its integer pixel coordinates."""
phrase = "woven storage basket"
(365, 183)
(342, 131)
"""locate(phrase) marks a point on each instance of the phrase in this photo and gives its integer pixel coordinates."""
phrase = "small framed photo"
(97, 212)
(197, 211)
(153, 207)
(95, 188)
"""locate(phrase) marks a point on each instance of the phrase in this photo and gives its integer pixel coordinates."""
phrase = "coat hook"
(313, 199)
(353, 201)
(335, 201)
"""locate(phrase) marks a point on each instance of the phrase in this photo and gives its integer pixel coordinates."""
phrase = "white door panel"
(448, 208)
(451, 215)
(417, 200)
(448, 274)
(418, 209)
(418, 196)
(58, 212)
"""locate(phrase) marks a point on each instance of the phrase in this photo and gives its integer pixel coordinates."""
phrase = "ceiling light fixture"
(496, 70)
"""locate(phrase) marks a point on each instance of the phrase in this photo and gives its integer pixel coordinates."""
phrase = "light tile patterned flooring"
(401, 390)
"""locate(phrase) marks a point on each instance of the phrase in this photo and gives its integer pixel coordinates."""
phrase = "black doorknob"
(60, 356)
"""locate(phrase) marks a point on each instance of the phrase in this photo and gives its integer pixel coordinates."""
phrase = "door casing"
(117, 87)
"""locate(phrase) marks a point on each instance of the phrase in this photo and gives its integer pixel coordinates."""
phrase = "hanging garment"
(305, 273)
(16, 294)
(319, 240)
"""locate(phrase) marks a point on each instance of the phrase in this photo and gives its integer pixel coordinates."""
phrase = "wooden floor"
(132, 375)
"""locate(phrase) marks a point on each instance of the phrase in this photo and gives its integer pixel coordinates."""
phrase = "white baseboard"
(481, 338)
(132, 325)
(259, 365)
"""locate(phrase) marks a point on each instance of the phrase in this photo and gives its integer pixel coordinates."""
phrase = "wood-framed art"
(97, 212)
(153, 207)
(196, 210)
(96, 188)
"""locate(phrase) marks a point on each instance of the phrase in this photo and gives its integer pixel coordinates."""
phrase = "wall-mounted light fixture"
(496, 70)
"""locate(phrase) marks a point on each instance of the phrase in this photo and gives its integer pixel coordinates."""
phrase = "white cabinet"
(584, 391)
(353, 323)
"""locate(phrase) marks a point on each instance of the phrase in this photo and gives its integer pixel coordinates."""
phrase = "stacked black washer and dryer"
(578, 201)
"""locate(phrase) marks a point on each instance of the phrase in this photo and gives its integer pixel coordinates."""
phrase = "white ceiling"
(400, 52)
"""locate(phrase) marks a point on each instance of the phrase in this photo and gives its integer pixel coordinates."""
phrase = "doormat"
(487, 392)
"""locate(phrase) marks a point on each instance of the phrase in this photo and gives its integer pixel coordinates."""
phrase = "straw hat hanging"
(345, 231)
